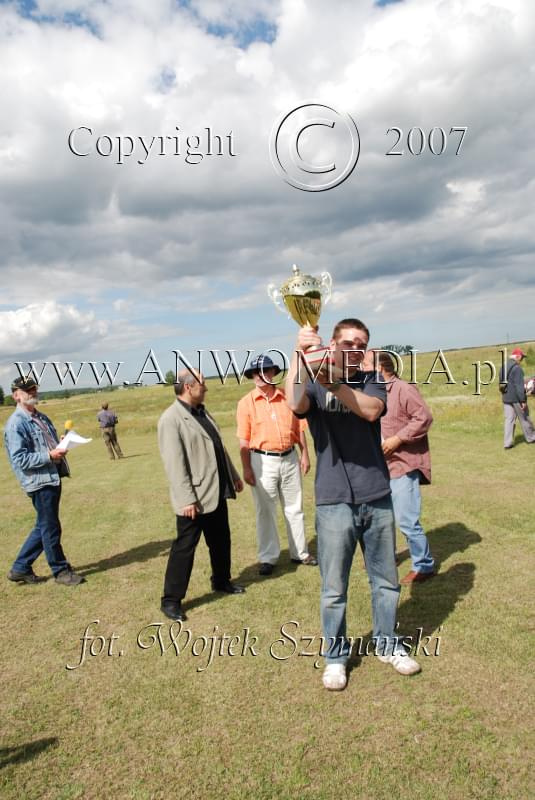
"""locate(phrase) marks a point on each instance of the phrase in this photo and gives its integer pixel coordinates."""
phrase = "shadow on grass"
(248, 576)
(24, 752)
(425, 612)
(519, 439)
(282, 567)
(133, 455)
(149, 550)
(430, 604)
(144, 552)
(454, 537)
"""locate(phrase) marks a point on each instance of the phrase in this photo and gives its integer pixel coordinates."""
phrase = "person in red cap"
(514, 400)
(32, 447)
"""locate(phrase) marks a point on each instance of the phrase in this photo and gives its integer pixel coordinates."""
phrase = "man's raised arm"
(298, 377)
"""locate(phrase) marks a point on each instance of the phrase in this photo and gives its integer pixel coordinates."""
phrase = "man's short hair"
(184, 378)
(350, 322)
(386, 361)
(105, 406)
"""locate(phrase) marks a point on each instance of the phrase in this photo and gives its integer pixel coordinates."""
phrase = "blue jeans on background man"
(339, 528)
(406, 499)
(46, 534)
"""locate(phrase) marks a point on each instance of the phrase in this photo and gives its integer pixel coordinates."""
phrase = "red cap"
(518, 352)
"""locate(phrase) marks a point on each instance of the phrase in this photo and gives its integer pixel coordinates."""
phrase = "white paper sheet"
(72, 440)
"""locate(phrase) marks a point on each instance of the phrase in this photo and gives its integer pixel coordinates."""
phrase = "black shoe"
(309, 561)
(67, 577)
(173, 610)
(24, 577)
(229, 588)
(265, 569)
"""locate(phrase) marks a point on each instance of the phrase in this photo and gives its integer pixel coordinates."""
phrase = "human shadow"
(24, 752)
(249, 576)
(431, 603)
(454, 537)
(144, 552)
(425, 611)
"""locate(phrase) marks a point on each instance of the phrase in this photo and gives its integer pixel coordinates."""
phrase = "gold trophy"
(303, 296)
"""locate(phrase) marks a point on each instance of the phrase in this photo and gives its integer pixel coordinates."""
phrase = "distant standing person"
(515, 401)
(32, 447)
(405, 445)
(108, 420)
(269, 433)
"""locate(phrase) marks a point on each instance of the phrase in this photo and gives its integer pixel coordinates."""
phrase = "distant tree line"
(402, 349)
(7, 400)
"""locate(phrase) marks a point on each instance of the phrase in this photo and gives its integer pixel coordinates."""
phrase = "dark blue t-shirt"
(350, 464)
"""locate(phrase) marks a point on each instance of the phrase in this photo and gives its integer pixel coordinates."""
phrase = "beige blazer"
(188, 455)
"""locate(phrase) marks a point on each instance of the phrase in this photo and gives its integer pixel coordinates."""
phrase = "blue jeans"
(406, 499)
(339, 528)
(46, 534)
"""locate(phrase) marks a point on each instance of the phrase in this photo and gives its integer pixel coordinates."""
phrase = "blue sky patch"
(28, 9)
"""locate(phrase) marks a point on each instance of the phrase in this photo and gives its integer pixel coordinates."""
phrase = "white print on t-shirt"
(332, 403)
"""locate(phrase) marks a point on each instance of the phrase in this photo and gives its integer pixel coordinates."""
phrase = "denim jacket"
(28, 451)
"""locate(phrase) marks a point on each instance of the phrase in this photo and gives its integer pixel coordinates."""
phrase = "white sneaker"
(334, 677)
(402, 663)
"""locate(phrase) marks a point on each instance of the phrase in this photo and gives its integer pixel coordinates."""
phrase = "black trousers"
(216, 531)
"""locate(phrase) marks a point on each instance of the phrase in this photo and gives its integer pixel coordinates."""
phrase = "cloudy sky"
(103, 261)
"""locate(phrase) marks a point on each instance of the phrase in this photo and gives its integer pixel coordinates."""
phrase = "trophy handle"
(276, 297)
(327, 283)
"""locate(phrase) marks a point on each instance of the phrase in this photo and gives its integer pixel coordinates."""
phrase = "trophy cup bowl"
(303, 297)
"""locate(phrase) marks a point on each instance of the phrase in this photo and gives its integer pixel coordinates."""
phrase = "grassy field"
(142, 717)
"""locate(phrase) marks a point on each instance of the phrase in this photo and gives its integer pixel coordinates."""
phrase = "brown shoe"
(417, 577)
(309, 561)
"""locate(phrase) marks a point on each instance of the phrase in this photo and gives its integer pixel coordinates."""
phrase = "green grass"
(145, 725)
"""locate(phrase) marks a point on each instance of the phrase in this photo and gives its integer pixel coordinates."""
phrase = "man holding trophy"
(342, 405)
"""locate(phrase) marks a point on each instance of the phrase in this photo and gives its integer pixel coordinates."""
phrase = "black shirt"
(225, 481)
(350, 466)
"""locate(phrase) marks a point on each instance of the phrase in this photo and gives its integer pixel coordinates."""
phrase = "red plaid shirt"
(407, 416)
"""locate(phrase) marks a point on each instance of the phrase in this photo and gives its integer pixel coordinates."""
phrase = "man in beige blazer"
(201, 479)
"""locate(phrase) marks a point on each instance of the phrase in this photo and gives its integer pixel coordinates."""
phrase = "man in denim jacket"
(32, 447)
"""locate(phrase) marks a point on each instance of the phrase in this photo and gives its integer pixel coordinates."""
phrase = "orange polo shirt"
(268, 424)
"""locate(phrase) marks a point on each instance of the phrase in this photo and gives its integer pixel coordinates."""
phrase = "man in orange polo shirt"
(268, 433)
